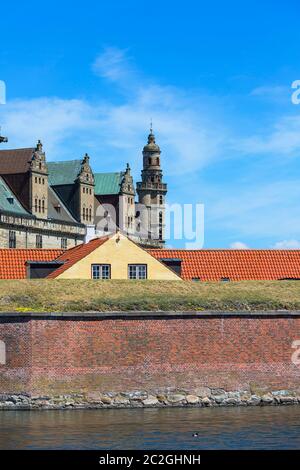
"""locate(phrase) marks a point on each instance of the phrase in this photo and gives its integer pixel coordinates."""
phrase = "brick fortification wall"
(151, 358)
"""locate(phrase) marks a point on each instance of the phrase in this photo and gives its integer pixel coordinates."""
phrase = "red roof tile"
(75, 254)
(237, 265)
(13, 261)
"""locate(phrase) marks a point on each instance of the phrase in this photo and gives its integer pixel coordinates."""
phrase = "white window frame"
(101, 268)
(137, 271)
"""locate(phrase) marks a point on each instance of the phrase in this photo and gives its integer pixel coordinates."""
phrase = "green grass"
(87, 295)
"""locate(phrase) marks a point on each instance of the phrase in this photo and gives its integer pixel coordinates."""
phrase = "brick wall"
(76, 354)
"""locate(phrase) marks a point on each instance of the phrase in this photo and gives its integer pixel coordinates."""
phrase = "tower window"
(39, 205)
(12, 239)
(39, 241)
(149, 161)
(43, 206)
(35, 205)
(161, 200)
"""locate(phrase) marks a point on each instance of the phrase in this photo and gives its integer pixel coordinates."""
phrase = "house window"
(39, 241)
(64, 243)
(12, 240)
(225, 279)
(100, 271)
(137, 271)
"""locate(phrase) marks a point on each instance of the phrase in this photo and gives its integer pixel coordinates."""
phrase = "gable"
(117, 251)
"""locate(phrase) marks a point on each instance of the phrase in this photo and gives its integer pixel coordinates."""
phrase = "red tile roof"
(75, 254)
(237, 265)
(13, 261)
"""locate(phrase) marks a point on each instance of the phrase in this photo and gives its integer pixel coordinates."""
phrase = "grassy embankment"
(65, 295)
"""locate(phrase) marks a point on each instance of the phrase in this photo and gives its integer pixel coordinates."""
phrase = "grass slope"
(88, 295)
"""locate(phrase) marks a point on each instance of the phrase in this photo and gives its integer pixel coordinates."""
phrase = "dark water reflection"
(219, 428)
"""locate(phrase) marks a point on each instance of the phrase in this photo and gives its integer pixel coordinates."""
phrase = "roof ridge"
(14, 150)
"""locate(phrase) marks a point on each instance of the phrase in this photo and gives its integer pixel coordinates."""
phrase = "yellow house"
(111, 257)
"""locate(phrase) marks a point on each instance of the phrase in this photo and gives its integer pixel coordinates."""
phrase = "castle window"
(161, 200)
(101, 271)
(43, 206)
(157, 161)
(40, 166)
(12, 239)
(35, 179)
(83, 213)
(10, 200)
(39, 241)
(35, 205)
(39, 205)
(43, 180)
(149, 161)
(90, 214)
(83, 189)
(137, 271)
(64, 243)
(39, 180)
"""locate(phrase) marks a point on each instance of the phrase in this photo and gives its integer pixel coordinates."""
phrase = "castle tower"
(38, 193)
(152, 191)
(85, 191)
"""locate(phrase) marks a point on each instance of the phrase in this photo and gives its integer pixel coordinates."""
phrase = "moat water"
(218, 428)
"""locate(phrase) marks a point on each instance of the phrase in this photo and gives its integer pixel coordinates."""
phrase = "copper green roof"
(107, 183)
(8, 201)
(61, 173)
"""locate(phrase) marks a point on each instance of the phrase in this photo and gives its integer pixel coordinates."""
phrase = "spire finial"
(151, 126)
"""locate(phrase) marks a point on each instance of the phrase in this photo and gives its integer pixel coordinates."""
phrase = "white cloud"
(287, 245)
(113, 64)
(189, 135)
(276, 93)
(239, 246)
(283, 139)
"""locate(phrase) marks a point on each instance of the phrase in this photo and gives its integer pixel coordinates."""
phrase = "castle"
(61, 204)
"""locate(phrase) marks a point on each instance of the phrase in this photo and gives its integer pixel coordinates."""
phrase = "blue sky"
(215, 78)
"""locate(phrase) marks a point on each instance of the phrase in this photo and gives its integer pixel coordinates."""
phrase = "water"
(218, 428)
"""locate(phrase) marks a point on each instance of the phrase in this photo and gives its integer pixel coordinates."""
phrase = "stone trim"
(145, 315)
(144, 399)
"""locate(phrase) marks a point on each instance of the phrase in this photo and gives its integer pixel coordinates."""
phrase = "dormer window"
(57, 208)
(10, 200)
